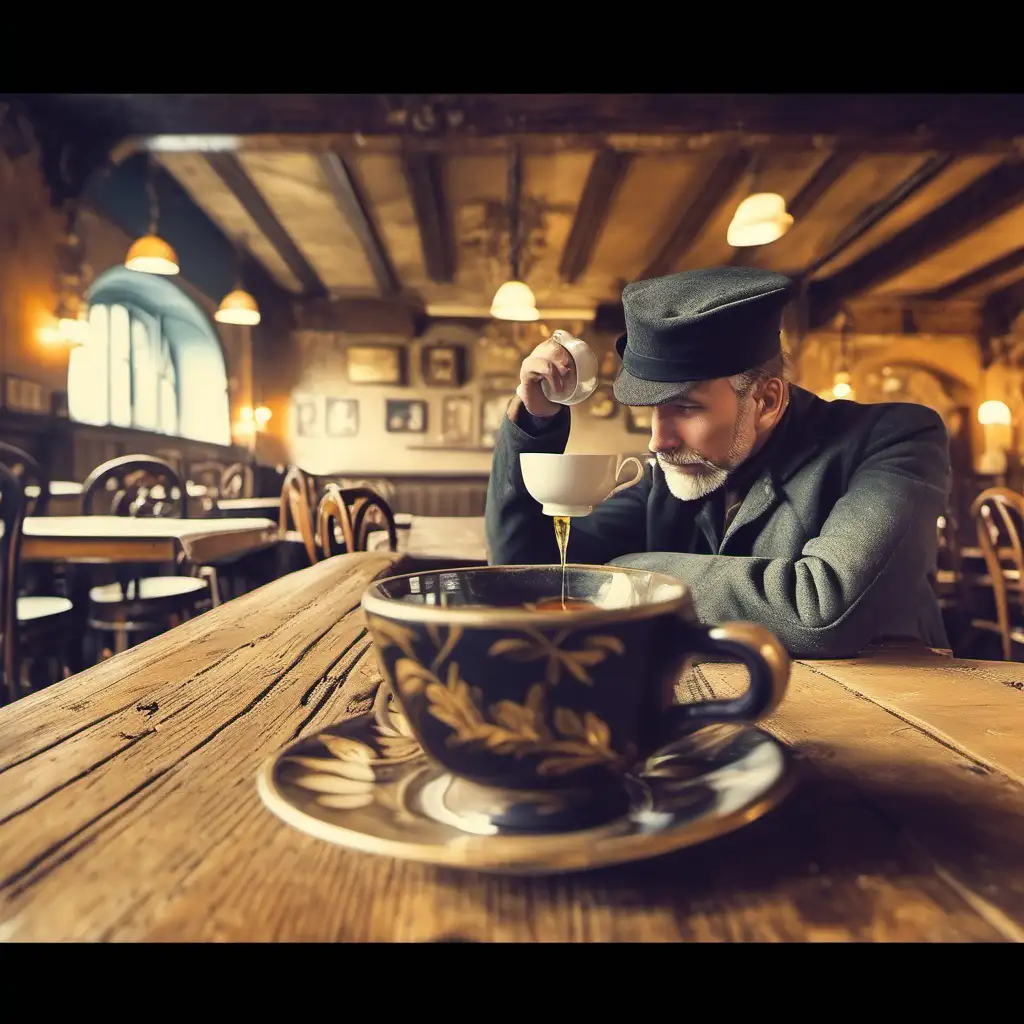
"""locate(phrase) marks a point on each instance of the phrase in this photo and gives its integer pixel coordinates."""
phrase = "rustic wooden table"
(108, 539)
(128, 809)
(461, 539)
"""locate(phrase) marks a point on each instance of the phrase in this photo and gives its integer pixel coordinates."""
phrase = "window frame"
(161, 354)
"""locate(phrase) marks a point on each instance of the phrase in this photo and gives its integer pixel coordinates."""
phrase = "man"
(816, 519)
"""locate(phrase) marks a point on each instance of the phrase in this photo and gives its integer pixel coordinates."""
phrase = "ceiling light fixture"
(150, 254)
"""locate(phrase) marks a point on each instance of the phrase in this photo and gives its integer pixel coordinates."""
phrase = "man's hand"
(550, 362)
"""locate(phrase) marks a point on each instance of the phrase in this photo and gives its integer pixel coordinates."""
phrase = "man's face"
(701, 437)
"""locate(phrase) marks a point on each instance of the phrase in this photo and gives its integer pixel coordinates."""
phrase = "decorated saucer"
(366, 784)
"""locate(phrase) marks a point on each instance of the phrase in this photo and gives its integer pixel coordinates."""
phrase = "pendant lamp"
(150, 254)
(515, 300)
(238, 306)
(761, 217)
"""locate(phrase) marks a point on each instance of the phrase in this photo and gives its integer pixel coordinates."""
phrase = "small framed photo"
(444, 366)
(609, 365)
(306, 415)
(376, 364)
(493, 408)
(22, 395)
(341, 418)
(406, 416)
(638, 418)
(457, 419)
(601, 404)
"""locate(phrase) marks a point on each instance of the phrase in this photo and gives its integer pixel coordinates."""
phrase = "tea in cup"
(507, 694)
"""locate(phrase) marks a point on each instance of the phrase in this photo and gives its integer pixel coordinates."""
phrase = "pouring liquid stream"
(562, 524)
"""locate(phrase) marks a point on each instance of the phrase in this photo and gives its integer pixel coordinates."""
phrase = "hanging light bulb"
(514, 300)
(994, 413)
(842, 382)
(761, 218)
(841, 386)
(150, 254)
(238, 306)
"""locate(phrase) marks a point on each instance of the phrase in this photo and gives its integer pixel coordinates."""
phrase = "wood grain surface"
(128, 809)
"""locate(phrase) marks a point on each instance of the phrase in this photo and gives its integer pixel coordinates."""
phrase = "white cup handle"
(638, 476)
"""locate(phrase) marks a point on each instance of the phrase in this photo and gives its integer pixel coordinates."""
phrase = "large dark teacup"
(505, 695)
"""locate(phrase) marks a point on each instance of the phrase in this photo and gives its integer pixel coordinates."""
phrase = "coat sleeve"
(877, 544)
(518, 532)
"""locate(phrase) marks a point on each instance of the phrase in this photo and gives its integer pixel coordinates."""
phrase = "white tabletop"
(145, 528)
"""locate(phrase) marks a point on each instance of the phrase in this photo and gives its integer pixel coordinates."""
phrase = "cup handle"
(629, 483)
(766, 660)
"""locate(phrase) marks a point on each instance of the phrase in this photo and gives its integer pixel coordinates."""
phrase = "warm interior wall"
(494, 353)
(29, 232)
(955, 359)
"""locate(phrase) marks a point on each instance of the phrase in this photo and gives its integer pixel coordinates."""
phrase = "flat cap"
(697, 325)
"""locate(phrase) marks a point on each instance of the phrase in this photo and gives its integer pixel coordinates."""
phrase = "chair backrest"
(237, 481)
(12, 516)
(298, 501)
(333, 517)
(209, 473)
(998, 513)
(369, 511)
(135, 485)
(27, 471)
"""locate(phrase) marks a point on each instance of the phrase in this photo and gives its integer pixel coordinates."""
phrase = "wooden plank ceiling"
(378, 216)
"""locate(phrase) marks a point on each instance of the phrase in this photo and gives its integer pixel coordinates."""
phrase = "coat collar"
(793, 443)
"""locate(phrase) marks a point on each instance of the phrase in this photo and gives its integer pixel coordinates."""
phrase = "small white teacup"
(572, 484)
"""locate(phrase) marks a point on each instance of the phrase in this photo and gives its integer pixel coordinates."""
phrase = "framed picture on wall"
(444, 366)
(638, 419)
(457, 419)
(601, 404)
(376, 364)
(22, 395)
(305, 415)
(406, 416)
(341, 417)
(493, 407)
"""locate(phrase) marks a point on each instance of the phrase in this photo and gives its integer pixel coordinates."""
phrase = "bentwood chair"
(28, 473)
(33, 628)
(998, 513)
(334, 523)
(139, 486)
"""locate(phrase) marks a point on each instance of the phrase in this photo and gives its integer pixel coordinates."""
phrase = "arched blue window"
(153, 361)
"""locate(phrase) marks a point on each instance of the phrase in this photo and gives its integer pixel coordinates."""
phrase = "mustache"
(679, 457)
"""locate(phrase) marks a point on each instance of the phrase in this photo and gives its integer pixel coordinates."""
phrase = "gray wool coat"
(833, 547)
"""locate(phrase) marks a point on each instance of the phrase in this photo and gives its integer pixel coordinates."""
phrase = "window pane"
(144, 394)
(168, 393)
(120, 367)
(88, 389)
(168, 407)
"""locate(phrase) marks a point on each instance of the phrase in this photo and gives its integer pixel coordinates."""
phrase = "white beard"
(692, 486)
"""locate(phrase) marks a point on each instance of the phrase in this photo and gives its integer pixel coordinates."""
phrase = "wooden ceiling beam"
(981, 202)
(834, 166)
(718, 184)
(1001, 309)
(989, 272)
(873, 122)
(424, 174)
(354, 207)
(607, 173)
(230, 170)
(876, 212)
